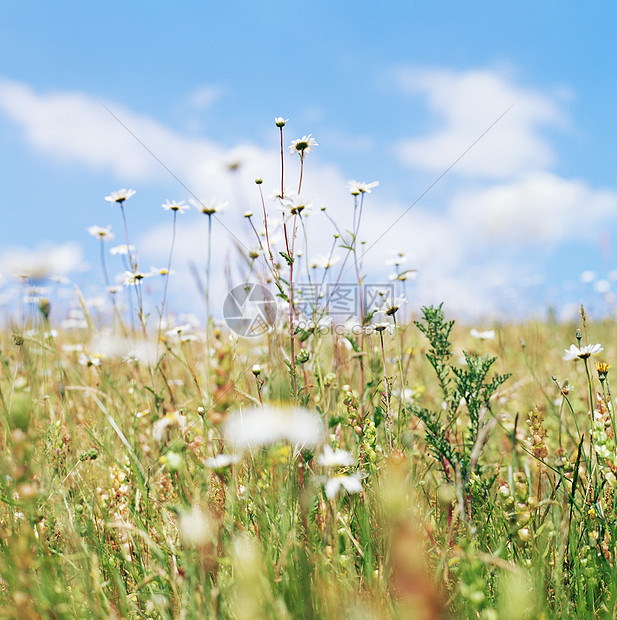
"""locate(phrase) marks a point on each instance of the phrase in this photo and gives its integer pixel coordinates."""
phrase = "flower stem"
(610, 405)
(591, 423)
(171, 251)
(290, 254)
(208, 354)
(361, 299)
(208, 269)
(275, 274)
(301, 171)
(402, 380)
(116, 313)
(103, 266)
(282, 167)
(387, 392)
(133, 265)
(126, 236)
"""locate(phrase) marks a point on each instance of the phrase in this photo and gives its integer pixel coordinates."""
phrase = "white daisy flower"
(391, 305)
(325, 262)
(196, 529)
(169, 420)
(351, 484)
(259, 427)
(295, 205)
(331, 458)
(89, 360)
(209, 207)
(120, 196)
(486, 335)
(304, 145)
(172, 205)
(380, 324)
(361, 188)
(121, 250)
(220, 461)
(582, 353)
(131, 278)
(100, 232)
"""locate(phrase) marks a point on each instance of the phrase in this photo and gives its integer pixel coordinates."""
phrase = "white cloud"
(537, 207)
(483, 250)
(73, 127)
(46, 261)
(465, 105)
(77, 128)
(205, 96)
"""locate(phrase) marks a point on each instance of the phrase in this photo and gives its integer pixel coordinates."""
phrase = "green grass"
(477, 510)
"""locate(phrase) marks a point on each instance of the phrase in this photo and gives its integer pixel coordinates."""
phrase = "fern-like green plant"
(465, 389)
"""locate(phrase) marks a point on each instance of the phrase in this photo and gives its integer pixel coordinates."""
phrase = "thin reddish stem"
(282, 167)
(301, 171)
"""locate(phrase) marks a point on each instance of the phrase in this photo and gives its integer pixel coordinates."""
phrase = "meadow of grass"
(402, 467)
(113, 503)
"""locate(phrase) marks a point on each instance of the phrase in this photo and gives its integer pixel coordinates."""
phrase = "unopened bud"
(304, 355)
(44, 307)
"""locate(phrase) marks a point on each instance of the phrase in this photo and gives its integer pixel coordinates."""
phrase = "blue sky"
(395, 94)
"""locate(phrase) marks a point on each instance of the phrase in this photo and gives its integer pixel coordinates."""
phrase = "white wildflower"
(220, 461)
(351, 484)
(196, 529)
(121, 250)
(399, 258)
(304, 145)
(486, 335)
(588, 276)
(172, 205)
(264, 426)
(392, 305)
(209, 207)
(361, 188)
(100, 232)
(582, 353)
(132, 278)
(380, 324)
(120, 196)
(89, 360)
(174, 419)
(323, 261)
(408, 274)
(295, 204)
(332, 458)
